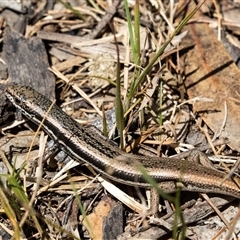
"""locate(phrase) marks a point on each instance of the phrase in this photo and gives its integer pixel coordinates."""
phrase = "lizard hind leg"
(164, 188)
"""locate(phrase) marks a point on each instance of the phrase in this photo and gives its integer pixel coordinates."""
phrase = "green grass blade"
(131, 36)
(161, 51)
(10, 212)
(73, 10)
(23, 199)
(154, 184)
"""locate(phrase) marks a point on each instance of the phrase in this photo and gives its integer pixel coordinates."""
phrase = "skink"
(84, 144)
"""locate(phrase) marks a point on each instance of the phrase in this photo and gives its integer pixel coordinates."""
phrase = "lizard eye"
(22, 98)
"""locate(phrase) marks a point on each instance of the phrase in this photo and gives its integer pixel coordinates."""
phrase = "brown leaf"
(212, 73)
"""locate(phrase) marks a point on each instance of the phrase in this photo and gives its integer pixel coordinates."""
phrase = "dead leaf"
(212, 73)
